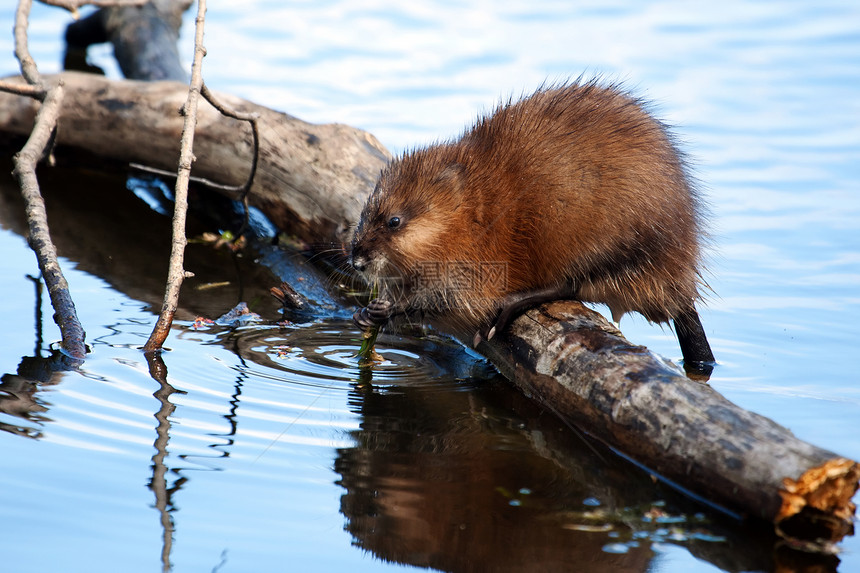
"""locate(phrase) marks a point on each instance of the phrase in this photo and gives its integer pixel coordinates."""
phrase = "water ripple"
(323, 355)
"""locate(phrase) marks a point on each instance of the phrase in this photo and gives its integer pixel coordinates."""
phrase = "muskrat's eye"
(393, 222)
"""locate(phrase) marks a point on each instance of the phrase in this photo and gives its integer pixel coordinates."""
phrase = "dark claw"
(361, 320)
(376, 313)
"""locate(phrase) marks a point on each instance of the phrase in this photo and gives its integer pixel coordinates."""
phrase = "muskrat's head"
(408, 216)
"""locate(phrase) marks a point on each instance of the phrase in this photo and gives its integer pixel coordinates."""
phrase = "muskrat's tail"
(694, 344)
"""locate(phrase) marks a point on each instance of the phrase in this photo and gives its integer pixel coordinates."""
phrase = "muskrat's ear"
(453, 177)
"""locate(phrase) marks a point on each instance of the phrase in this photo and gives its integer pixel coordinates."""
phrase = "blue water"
(265, 422)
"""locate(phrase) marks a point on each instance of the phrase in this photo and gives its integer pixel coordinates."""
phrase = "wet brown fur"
(576, 184)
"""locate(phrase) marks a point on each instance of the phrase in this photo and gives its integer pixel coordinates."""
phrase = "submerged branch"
(28, 65)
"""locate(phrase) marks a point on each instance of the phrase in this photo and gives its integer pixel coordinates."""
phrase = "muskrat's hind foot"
(376, 313)
(697, 353)
(517, 303)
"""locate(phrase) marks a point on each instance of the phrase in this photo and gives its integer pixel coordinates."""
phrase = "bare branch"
(73, 5)
(40, 239)
(240, 190)
(176, 272)
(40, 140)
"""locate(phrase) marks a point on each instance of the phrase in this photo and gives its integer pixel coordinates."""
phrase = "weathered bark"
(312, 179)
(643, 406)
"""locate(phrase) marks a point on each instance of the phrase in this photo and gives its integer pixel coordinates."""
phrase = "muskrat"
(573, 192)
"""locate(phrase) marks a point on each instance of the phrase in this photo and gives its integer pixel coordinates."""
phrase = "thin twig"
(226, 109)
(176, 272)
(243, 190)
(250, 117)
(73, 5)
(28, 90)
(235, 189)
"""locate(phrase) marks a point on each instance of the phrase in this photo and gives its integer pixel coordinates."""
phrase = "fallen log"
(312, 182)
(643, 406)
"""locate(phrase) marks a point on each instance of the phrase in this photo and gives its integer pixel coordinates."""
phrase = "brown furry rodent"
(573, 192)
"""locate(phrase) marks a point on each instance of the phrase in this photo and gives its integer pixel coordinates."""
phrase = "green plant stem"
(367, 355)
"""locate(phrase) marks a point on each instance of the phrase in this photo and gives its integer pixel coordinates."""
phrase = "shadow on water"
(451, 467)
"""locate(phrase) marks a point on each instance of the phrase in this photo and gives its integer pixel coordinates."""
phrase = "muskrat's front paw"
(376, 313)
(379, 310)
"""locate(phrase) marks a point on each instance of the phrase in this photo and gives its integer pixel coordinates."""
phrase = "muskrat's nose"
(359, 262)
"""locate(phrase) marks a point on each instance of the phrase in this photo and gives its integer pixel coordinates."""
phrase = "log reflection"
(483, 480)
